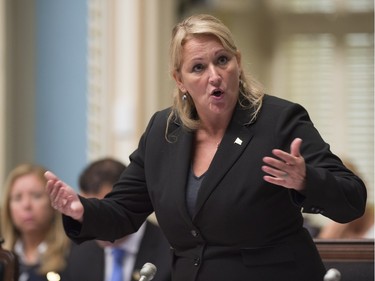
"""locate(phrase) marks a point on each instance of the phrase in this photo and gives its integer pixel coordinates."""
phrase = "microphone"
(147, 272)
(332, 275)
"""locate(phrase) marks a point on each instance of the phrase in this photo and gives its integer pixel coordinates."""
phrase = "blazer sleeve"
(123, 210)
(331, 189)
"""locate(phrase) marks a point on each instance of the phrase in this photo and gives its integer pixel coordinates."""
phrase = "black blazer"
(244, 228)
(86, 261)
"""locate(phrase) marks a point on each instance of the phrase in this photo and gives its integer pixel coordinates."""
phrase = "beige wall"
(2, 88)
(134, 36)
(17, 83)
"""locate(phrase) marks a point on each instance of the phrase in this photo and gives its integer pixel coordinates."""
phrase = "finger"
(61, 195)
(53, 195)
(275, 181)
(273, 162)
(274, 172)
(49, 187)
(284, 156)
(50, 176)
(52, 191)
(295, 147)
(288, 159)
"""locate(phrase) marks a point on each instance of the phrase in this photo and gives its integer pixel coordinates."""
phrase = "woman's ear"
(179, 83)
(238, 57)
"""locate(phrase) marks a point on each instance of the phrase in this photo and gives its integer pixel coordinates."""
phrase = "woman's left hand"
(286, 169)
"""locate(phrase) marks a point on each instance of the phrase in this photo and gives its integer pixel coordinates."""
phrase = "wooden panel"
(342, 250)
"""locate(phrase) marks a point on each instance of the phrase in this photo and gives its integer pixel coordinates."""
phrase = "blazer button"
(194, 233)
(197, 261)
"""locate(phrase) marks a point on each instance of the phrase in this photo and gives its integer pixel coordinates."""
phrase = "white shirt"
(131, 247)
(18, 249)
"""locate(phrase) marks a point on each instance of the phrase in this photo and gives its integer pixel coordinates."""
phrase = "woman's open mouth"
(217, 93)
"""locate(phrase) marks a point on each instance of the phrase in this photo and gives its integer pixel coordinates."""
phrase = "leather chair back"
(8, 264)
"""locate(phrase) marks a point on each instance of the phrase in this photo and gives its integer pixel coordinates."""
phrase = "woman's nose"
(26, 202)
(214, 76)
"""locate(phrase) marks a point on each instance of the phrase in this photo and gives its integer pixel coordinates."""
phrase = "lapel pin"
(238, 141)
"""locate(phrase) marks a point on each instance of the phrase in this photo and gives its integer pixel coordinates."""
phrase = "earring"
(242, 84)
(184, 97)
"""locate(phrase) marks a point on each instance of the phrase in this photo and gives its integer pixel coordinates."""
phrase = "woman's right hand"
(63, 197)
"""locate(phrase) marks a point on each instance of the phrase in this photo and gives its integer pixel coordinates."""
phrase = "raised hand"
(63, 197)
(286, 169)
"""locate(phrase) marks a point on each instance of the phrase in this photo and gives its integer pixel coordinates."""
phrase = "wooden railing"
(353, 258)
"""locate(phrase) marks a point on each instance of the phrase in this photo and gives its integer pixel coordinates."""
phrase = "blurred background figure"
(95, 260)
(31, 227)
(362, 227)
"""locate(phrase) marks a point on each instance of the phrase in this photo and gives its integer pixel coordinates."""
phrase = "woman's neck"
(31, 250)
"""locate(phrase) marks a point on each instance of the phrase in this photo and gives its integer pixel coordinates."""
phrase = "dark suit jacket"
(244, 228)
(86, 261)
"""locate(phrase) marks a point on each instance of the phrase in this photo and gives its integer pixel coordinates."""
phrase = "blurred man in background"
(124, 258)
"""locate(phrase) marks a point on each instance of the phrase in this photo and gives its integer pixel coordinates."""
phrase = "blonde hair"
(54, 258)
(251, 92)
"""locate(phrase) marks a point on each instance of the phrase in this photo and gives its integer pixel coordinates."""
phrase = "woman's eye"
(198, 68)
(16, 198)
(37, 195)
(222, 60)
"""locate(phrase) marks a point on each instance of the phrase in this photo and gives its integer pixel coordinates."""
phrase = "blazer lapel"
(180, 154)
(234, 142)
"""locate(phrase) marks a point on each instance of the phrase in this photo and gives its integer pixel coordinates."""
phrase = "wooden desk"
(353, 258)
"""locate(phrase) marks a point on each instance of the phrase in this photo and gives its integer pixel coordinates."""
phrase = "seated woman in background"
(31, 227)
(361, 228)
